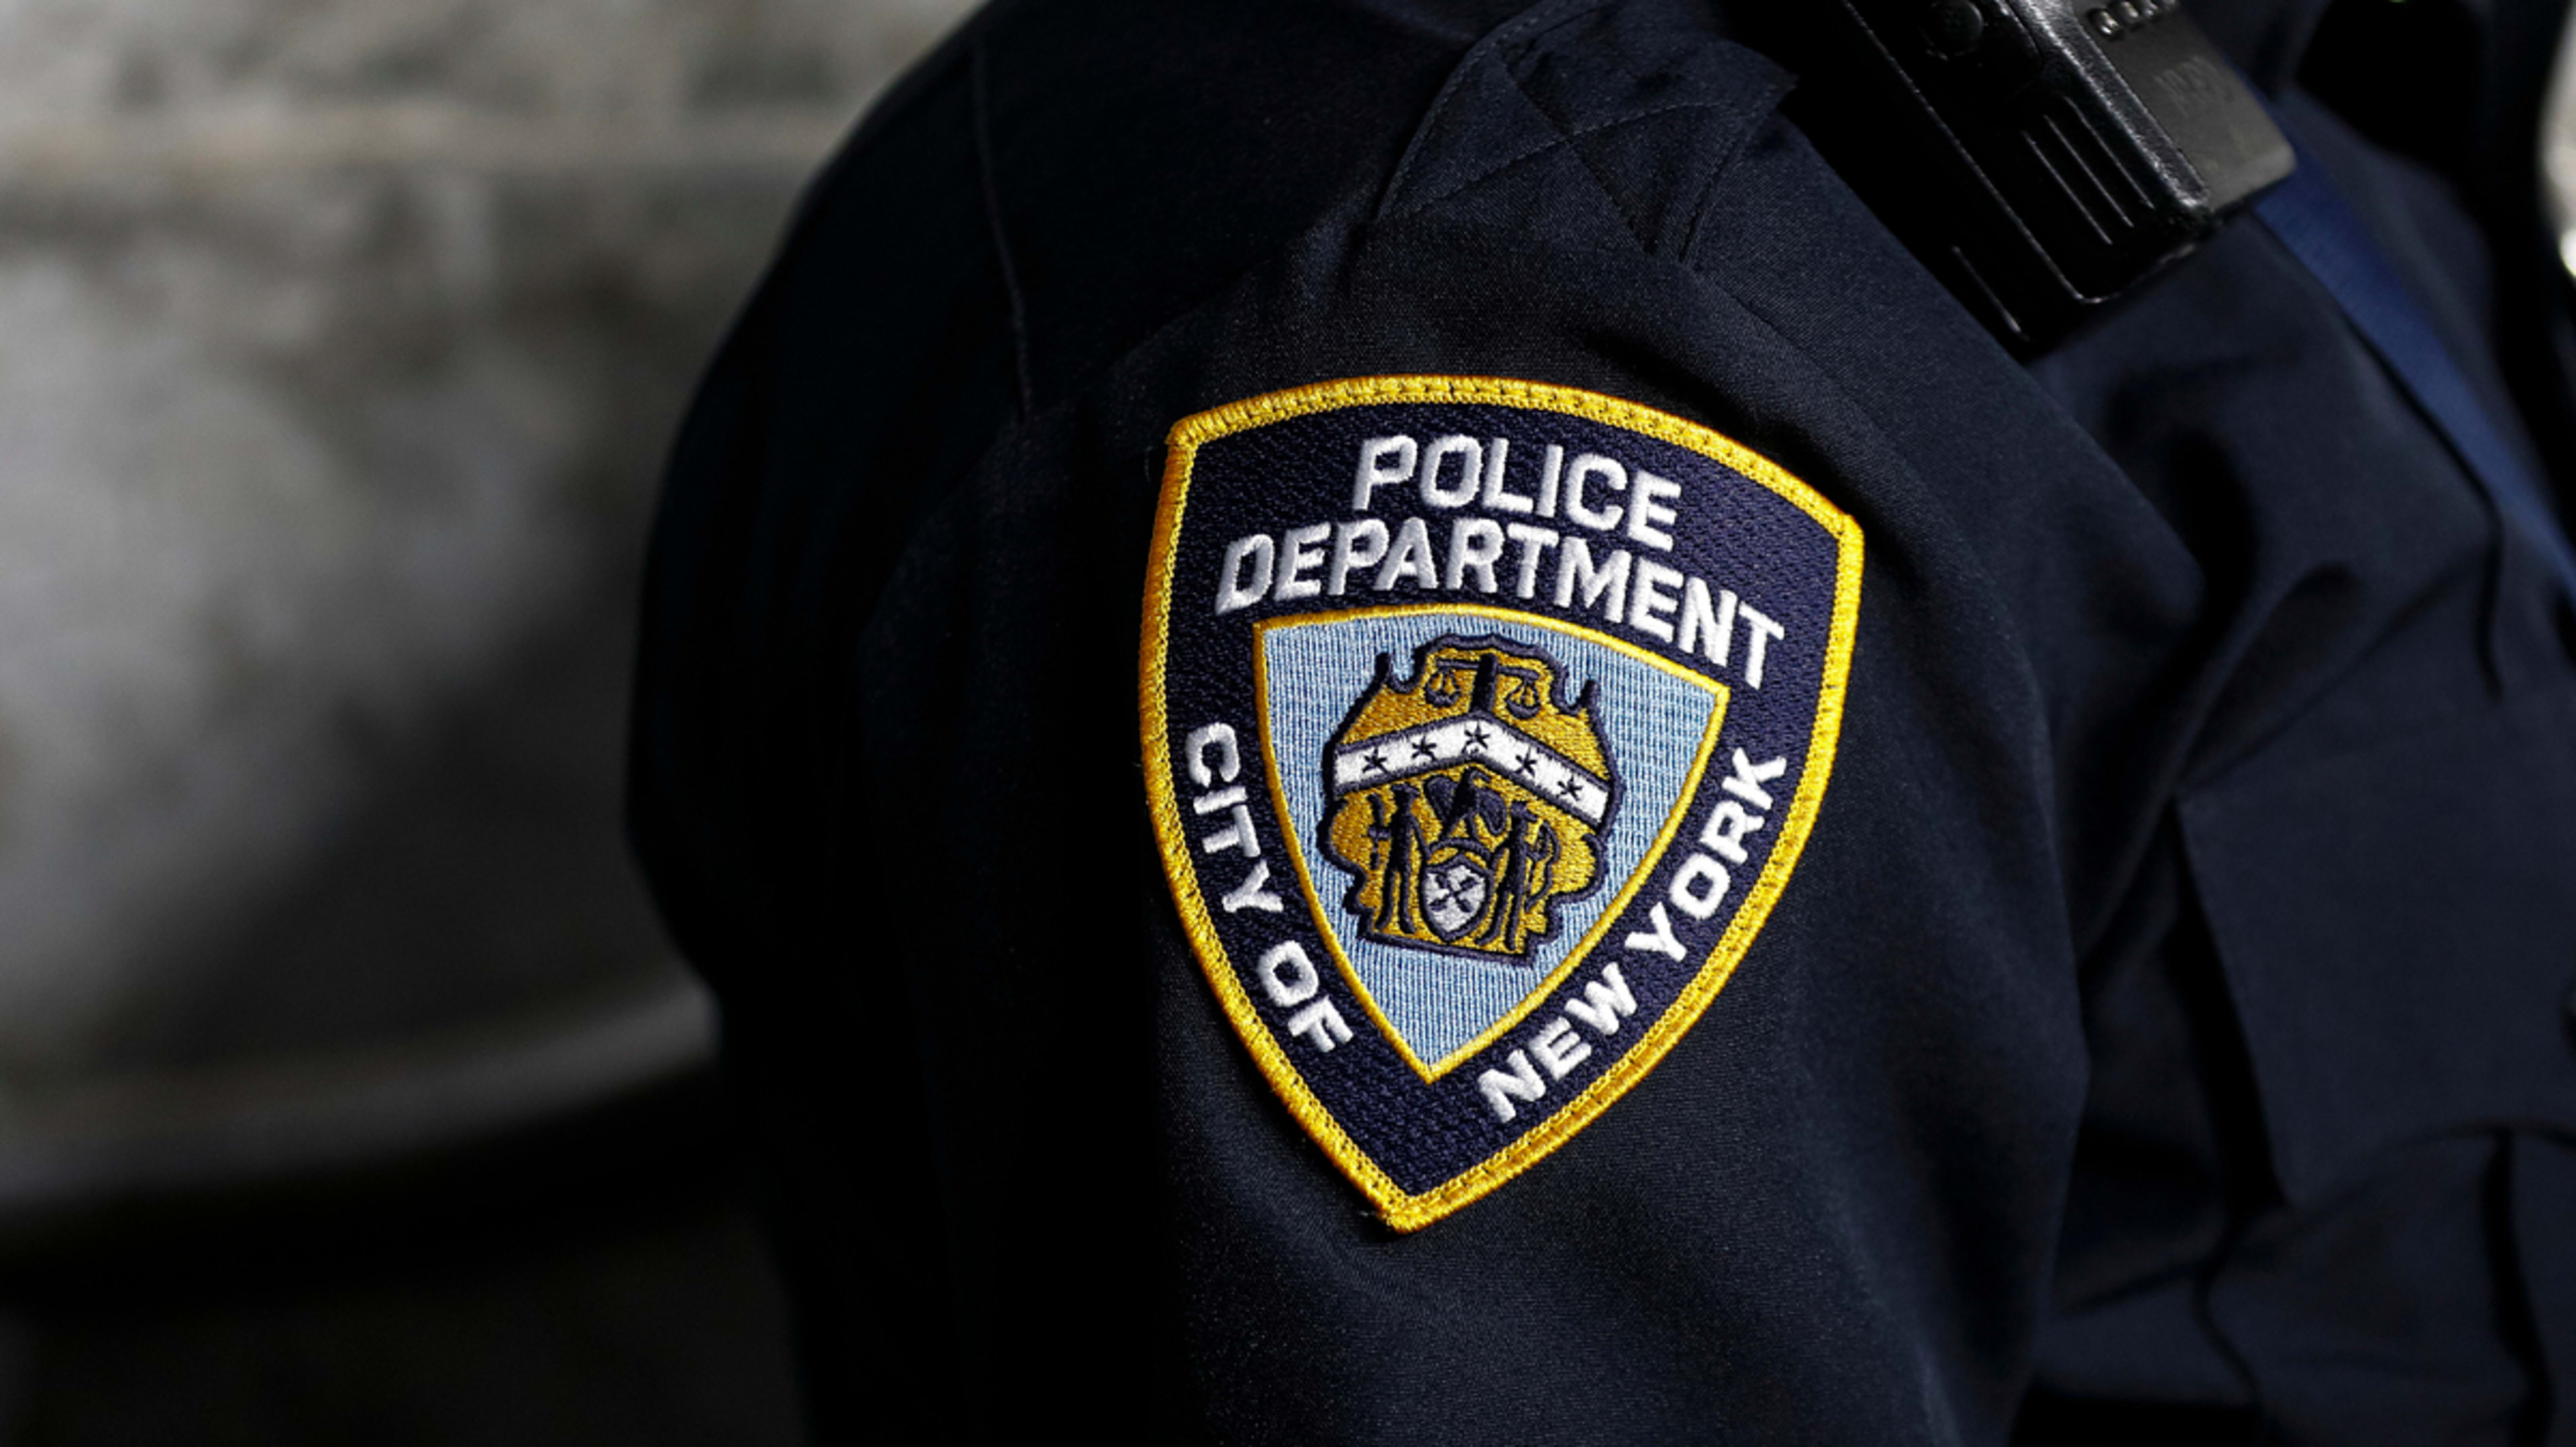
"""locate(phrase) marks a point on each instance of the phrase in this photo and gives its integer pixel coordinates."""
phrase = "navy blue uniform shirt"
(2164, 1035)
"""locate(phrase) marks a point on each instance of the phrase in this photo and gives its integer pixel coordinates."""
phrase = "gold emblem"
(1468, 803)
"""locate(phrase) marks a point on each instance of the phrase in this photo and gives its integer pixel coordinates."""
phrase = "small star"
(1529, 763)
(1570, 789)
(1376, 761)
(1476, 736)
(1425, 749)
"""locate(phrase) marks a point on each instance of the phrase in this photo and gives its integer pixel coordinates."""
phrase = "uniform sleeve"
(1493, 831)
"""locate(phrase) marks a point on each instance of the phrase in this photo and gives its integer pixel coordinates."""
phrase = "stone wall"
(339, 340)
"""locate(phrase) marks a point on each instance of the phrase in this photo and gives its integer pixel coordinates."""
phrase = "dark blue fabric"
(2118, 1066)
(2320, 229)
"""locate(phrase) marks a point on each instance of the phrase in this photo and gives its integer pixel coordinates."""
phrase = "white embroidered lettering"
(1703, 628)
(1288, 976)
(1757, 630)
(1661, 942)
(1356, 546)
(1410, 558)
(1383, 461)
(1471, 471)
(1321, 1026)
(1498, 497)
(1218, 739)
(1575, 570)
(1559, 1048)
(1474, 546)
(1605, 1001)
(1234, 589)
(1253, 893)
(1520, 1083)
(1648, 519)
(1700, 887)
(1649, 598)
(1748, 777)
(1727, 825)
(1551, 476)
(1304, 549)
(1611, 475)
(1237, 836)
(1534, 543)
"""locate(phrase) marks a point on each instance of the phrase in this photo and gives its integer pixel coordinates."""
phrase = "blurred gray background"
(347, 1089)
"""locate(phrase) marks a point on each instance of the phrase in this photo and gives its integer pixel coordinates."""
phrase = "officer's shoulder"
(1590, 122)
(1187, 141)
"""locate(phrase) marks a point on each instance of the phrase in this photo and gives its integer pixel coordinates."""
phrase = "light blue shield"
(1660, 724)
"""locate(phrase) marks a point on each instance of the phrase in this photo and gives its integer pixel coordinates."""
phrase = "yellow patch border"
(1403, 1210)
(1591, 940)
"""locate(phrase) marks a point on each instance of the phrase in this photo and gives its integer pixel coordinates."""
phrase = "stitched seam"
(1563, 139)
(1529, 23)
(1708, 194)
(1645, 243)
(1520, 85)
(979, 103)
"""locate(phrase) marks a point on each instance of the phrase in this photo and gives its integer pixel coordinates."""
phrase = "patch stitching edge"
(1401, 1210)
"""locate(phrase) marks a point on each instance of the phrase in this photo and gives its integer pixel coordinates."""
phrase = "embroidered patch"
(1483, 724)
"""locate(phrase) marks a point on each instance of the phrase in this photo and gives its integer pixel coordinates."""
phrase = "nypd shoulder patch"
(1483, 723)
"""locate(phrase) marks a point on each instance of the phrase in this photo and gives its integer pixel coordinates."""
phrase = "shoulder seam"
(1537, 18)
(1479, 128)
(1717, 174)
(1562, 140)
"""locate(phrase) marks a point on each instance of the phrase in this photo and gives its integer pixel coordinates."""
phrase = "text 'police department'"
(1510, 551)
